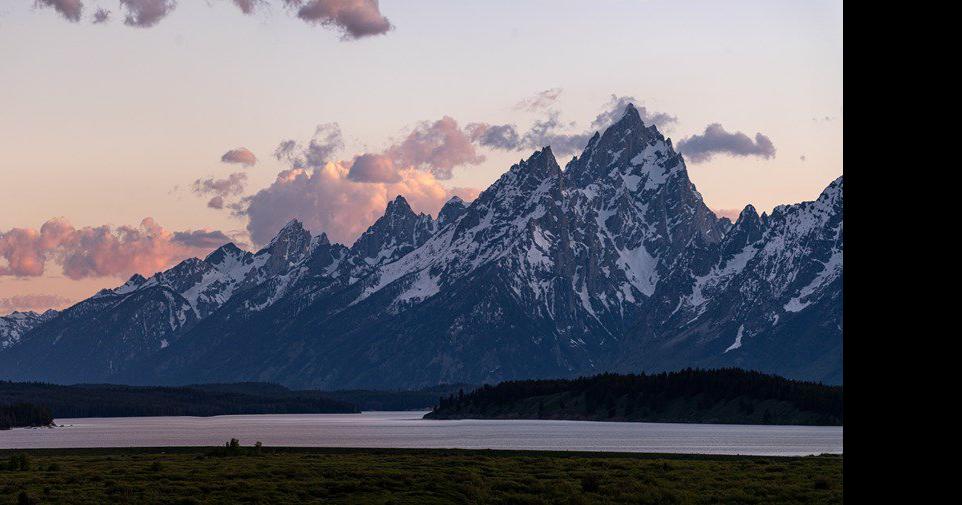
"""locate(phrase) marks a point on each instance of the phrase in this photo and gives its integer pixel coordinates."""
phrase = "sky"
(135, 133)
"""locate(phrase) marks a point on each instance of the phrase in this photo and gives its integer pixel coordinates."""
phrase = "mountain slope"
(16, 324)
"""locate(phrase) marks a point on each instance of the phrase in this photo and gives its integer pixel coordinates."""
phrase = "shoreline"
(192, 449)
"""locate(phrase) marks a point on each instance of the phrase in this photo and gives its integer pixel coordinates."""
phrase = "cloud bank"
(328, 200)
(37, 303)
(715, 140)
(354, 19)
(101, 251)
(343, 198)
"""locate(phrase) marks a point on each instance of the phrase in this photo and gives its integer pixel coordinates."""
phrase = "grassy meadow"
(295, 475)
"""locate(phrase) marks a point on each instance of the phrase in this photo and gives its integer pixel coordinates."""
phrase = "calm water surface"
(408, 430)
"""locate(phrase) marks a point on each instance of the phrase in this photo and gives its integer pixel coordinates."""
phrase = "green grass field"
(269, 475)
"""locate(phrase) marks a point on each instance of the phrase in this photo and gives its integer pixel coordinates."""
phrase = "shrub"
(591, 483)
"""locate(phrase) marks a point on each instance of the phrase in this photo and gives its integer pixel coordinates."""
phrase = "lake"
(408, 430)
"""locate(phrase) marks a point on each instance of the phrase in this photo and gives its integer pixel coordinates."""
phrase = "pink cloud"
(326, 200)
(100, 251)
(356, 18)
(35, 302)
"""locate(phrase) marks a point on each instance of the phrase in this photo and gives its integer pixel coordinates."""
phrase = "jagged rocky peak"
(625, 144)
(136, 280)
(291, 235)
(451, 211)
(748, 221)
(396, 233)
(291, 244)
(398, 207)
(225, 253)
(515, 192)
(541, 164)
(748, 229)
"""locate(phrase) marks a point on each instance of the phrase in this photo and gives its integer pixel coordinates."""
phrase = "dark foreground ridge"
(307, 475)
(729, 396)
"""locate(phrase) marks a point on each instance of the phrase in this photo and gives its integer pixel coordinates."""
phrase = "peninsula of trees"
(728, 396)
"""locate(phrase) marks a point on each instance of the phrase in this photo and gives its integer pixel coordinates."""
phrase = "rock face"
(613, 264)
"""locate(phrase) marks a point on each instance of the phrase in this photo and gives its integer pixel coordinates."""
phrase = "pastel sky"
(113, 127)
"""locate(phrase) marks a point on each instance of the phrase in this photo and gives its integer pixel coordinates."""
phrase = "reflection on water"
(407, 429)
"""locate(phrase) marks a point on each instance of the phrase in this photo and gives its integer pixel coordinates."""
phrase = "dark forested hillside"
(106, 400)
(692, 396)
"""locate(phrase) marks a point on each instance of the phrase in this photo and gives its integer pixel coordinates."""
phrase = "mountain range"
(614, 263)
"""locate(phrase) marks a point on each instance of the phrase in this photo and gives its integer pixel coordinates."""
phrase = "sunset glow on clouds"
(326, 200)
(101, 251)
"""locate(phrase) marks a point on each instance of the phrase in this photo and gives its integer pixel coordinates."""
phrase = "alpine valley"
(614, 263)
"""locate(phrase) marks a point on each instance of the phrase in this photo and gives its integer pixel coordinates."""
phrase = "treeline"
(363, 399)
(126, 401)
(420, 399)
(728, 395)
(24, 414)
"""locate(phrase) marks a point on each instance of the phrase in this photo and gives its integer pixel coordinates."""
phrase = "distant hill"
(728, 396)
(108, 400)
